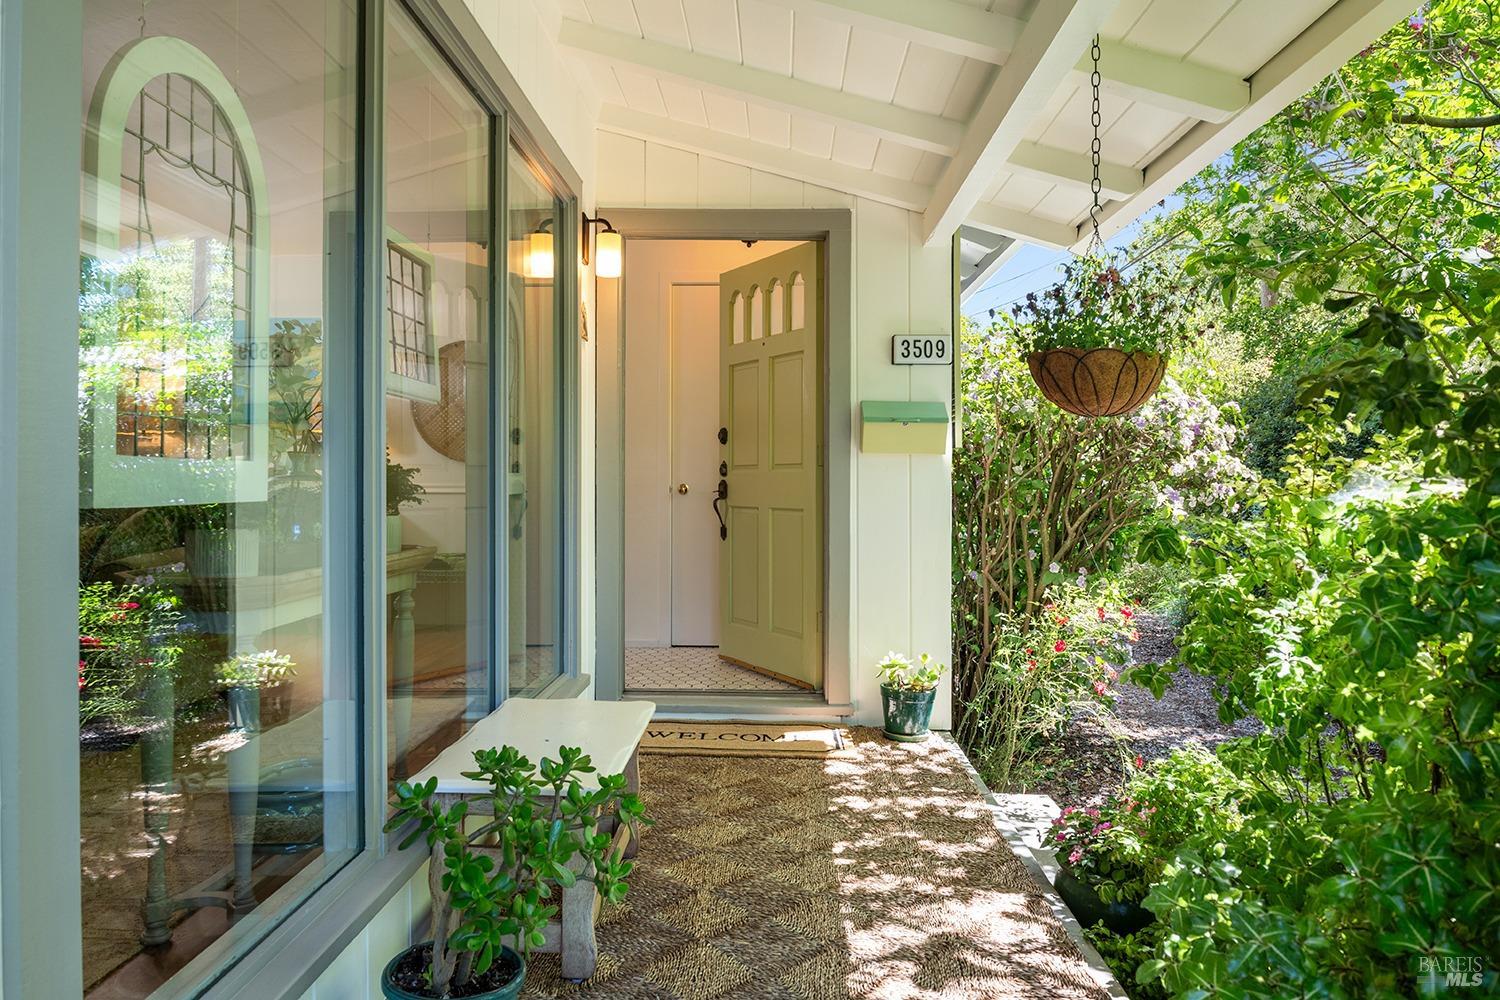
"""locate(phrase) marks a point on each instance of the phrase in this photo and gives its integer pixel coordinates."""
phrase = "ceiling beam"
(1138, 74)
(1186, 88)
(764, 156)
(1043, 57)
(988, 266)
(1021, 226)
(912, 128)
(1329, 42)
(1063, 166)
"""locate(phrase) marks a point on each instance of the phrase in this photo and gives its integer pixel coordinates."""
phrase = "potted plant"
(245, 678)
(907, 691)
(1100, 871)
(401, 490)
(492, 885)
(1097, 342)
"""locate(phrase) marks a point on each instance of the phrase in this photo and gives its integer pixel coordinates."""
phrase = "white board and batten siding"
(902, 516)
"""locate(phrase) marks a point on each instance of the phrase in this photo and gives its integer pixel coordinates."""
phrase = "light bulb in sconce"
(608, 248)
(538, 260)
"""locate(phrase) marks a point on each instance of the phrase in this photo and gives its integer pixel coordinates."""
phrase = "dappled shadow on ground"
(874, 874)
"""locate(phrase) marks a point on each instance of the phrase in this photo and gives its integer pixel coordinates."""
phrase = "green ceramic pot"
(907, 713)
(1122, 917)
(509, 991)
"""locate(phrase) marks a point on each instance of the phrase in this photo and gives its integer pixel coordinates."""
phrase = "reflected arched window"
(799, 302)
(778, 307)
(737, 317)
(173, 309)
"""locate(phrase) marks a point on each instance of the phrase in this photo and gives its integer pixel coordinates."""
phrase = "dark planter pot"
(1099, 382)
(1122, 918)
(509, 991)
(907, 713)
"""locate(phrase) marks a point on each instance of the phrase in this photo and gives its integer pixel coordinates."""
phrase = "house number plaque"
(921, 349)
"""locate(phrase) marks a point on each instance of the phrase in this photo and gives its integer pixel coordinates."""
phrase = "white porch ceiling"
(972, 112)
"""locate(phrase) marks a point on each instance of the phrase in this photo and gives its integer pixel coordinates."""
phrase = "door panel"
(693, 329)
(769, 372)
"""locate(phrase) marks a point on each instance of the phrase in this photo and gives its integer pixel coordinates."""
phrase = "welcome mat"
(743, 739)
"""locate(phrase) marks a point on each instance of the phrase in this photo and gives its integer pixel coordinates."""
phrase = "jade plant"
(899, 673)
(493, 882)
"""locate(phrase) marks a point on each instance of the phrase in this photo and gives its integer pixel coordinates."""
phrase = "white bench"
(609, 732)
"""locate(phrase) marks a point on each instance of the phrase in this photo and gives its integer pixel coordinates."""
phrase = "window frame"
(41, 118)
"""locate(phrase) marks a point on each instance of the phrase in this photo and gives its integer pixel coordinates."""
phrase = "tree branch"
(1434, 121)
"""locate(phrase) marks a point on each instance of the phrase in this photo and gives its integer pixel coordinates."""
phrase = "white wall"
(355, 974)
(900, 576)
(652, 264)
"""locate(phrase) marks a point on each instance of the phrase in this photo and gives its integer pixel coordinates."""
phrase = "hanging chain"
(1095, 184)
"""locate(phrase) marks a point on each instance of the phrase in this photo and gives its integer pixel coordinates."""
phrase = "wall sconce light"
(537, 260)
(608, 249)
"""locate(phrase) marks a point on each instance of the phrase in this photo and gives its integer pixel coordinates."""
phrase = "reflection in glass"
(534, 418)
(218, 778)
(438, 223)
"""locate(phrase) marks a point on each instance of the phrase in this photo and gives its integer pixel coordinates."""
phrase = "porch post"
(41, 101)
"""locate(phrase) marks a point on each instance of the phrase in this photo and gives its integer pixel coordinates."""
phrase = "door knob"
(682, 488)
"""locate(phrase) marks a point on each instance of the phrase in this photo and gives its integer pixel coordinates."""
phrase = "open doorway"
(723, 413)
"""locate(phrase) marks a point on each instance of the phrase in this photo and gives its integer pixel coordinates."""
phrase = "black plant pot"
(421, 953)
(1122, 918)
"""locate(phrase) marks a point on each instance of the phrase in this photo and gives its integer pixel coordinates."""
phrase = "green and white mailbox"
(903, 428)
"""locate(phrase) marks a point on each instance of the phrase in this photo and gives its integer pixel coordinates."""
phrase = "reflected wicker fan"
(1101, 382)
(441, 424)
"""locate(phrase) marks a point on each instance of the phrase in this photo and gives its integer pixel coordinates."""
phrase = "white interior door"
(693, 325)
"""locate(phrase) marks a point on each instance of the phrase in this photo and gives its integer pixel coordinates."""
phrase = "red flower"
(1030, 652)
(80, 675)
(127, 605)
(1059, 646)
(88, 640)
(1127, 612)
(1099, 688)
(1030, 664)
(1140, 763)
(1101, 614)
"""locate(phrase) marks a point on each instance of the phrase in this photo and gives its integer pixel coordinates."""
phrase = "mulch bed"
(1096, 751)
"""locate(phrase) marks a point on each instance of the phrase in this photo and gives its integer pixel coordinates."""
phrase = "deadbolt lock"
(723, 435)
(723, 469)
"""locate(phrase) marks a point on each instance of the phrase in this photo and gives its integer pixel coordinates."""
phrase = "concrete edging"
(1018, 846)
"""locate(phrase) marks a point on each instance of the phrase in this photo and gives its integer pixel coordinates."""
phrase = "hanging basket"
(1098, 382)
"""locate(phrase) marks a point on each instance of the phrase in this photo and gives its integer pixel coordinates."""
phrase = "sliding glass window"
(534, 463)
(437, 399)
(219, 757)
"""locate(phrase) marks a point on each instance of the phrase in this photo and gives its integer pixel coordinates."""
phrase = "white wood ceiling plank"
(642, 92)
(930, 169)
(973, 80)
(614, 14)
(1021, 193)
(854, 148)
(568, 8)
(765, 87)
(1021, 226)
(770, 125)
(812, 136)
(683, 102)
(605, 83)
(766, 36)
(927, 79)
(713, 28)
(873, 64)
(820, 48)
(662, 21)
(1174, 27)
(897, 160)
(1253, 32)
(729, 115)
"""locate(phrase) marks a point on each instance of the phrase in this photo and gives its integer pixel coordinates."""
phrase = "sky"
(1034, 268)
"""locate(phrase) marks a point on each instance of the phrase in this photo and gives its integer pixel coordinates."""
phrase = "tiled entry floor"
(691, 668)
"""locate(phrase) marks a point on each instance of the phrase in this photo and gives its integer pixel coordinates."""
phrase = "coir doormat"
(743, 739)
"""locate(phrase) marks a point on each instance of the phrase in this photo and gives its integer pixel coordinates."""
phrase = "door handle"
(682, 488)
(722, 493)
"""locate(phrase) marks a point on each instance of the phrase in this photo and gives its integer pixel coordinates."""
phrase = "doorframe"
(834, 227)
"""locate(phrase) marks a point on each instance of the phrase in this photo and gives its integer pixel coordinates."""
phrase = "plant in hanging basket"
(1097, 342)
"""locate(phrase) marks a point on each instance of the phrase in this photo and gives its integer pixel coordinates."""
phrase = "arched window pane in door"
(757, 313)
(799, 302)
(778, 308)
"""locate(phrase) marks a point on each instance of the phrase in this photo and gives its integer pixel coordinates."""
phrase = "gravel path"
(1092, 757)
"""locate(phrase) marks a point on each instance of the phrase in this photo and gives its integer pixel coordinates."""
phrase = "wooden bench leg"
(578, 946)
(633, 785)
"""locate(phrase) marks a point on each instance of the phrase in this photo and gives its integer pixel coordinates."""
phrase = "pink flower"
(1075, 856)
(1061, 837)
(1099, 688)
(1140, 763)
